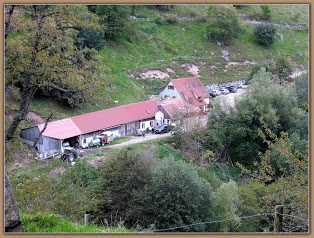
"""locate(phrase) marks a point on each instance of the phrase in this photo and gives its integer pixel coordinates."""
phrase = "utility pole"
(278, 218)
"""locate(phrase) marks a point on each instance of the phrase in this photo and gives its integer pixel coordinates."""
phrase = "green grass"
(52, 223)
(176, 44)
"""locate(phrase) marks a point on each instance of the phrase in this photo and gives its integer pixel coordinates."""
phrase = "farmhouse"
(120, 121)
(190, 90)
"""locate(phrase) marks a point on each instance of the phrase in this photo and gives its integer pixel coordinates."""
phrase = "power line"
(209, 222)
(292, 216)
(219, 221)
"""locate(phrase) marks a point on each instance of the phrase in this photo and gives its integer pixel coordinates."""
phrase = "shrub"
(122, 190)
(265, 34)
(159, 20)
(180, 197)
(172, 19)
(266, 12)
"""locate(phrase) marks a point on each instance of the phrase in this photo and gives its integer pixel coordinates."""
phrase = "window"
(151, 123)
(143, 125)
(84, 141)
(171, 87)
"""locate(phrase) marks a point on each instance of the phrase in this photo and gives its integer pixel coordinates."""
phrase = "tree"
(40, 54)
(238, 133)
(224, 22)
(281, 69)
(290, 187)
(226, 204)
(265, 34)
(180, 197)
(115, 20)
(266, 12)
(123, 190)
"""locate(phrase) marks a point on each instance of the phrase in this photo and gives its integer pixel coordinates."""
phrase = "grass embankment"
(52, 223)
(169, 46)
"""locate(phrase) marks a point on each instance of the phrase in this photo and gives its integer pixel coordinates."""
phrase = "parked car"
(162, 129)
(214, 93)
(242, 86)
(232, 89)
(93, 143)
(224, 91)
(70, 154)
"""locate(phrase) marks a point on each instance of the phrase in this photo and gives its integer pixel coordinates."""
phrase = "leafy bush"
(180, 197)
(91, 39)
(265, 34)
(266, 12)
(122, 190)
(224, 22)
(159, 20)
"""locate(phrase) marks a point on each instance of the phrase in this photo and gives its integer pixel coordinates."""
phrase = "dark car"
(162, 129)
(232, 89)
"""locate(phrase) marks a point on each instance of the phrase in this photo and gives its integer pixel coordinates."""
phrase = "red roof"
(99, 120)
(177, 107)
(191, 90)
(115, 116)
(61, 129)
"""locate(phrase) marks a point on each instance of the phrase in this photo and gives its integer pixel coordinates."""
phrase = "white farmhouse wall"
(147, 124)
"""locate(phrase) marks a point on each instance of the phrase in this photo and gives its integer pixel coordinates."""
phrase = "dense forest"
(64, 60)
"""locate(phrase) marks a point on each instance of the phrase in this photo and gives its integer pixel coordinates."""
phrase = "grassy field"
(52, 223)
(160, 47)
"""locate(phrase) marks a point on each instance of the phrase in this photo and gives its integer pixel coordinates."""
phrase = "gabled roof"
(191, 90)
(99, 120)
(115, 116)
(61, 129)
(176, 107)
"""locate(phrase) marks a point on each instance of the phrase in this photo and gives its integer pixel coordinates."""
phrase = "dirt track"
(134, 140)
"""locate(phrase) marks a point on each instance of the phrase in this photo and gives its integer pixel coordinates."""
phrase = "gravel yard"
(229, 99)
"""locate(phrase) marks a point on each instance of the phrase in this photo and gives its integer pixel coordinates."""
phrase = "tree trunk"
(42, 131)
(26, 97)
(28, 88)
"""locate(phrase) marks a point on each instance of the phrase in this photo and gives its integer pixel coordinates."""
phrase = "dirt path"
(134, 140)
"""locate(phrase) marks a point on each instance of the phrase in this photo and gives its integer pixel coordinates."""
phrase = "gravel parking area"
(229, 99)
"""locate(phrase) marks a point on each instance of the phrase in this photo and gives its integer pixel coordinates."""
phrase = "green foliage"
(49, 61)
(290, 186)
(302, 87)
(115, 20)
(225, 207)
(53, 223)
(237, 135)
(266, 12)
(81, 175)
(69, 195)
(159, 20)
(281, 68)
(265, 34)
(249, 194)
(123, 190)
(180, 197)
(223, 22)
(91, 39)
